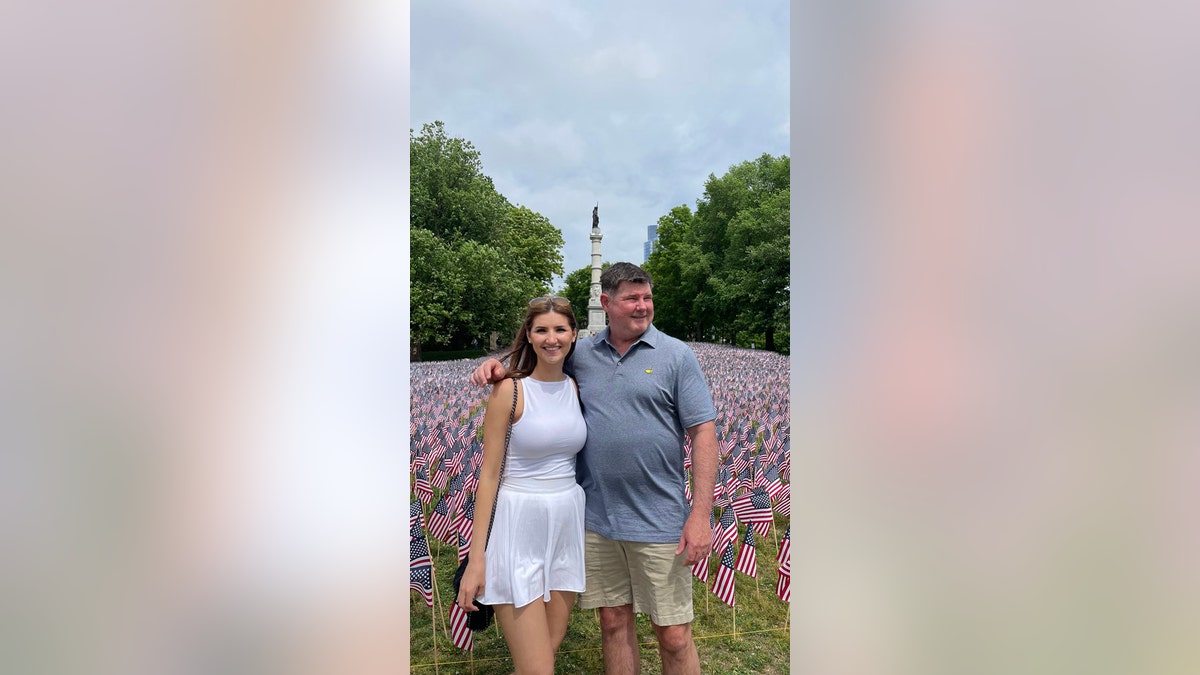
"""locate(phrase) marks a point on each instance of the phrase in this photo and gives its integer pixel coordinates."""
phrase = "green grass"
(760, 644)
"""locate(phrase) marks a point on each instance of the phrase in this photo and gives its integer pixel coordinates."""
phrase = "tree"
(760, 283)
(723, 270)
(493, 297)
(731, 218)
(530, 245)
(435, 289)
(476, 259)
(680, 271)
(450, 195)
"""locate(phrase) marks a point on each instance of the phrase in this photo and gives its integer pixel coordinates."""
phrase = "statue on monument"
(596, 216)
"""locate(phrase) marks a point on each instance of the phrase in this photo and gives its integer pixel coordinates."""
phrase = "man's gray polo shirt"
(637, 408)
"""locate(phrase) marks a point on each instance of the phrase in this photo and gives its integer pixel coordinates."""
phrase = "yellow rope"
(596, 649)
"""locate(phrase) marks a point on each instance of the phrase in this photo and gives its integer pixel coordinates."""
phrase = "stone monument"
(596, 318)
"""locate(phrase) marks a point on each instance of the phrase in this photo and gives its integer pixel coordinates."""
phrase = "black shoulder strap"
(503, 460)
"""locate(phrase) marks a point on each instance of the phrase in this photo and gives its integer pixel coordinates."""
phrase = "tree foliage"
(476, 259)
(722, 271)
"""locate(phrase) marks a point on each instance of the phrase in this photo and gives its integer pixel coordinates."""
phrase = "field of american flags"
(741, 621)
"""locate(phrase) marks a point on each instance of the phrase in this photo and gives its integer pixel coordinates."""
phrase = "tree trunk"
(414, 351)
(770, 345)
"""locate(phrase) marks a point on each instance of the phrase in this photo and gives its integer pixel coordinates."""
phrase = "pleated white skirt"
(537, 541)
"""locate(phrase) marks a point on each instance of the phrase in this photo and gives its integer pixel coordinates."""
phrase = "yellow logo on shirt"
(649, 370)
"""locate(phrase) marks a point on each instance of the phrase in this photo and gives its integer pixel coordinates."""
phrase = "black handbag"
(482, 618)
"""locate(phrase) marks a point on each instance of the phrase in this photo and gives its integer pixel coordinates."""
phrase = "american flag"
(762, 504)
(785, 546)
(421, 487)
(416, 516)
(726, 445)
(746, 563)
(755, 509)
(435, 456)
(723, 585)
(727, 533)
(700, 569)
(784, 506)
(470, 480)
(738, 462)
(460, 634)
(440, 477)
(475, 459)
(466, 523)
(774, 485)
(783, 587)
(420, 564)
(439, 519)
(757, 479)
(458, 496)
(722, 492)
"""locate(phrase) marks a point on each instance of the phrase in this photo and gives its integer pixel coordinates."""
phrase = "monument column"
(596, 320)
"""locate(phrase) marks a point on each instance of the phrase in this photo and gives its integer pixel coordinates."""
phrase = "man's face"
(630, 309)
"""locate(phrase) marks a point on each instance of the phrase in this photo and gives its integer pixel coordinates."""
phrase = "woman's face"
(551, 336)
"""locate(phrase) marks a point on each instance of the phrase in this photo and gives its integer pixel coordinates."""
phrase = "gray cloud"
(629, 104)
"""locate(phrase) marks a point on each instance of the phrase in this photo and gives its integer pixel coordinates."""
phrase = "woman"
(533, 566)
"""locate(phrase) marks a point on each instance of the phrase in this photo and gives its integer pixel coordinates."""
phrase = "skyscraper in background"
(651, 239)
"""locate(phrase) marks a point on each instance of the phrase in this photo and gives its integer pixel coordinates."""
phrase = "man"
(642, 391)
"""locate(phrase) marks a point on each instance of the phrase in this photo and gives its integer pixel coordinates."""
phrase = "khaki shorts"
(650, 576)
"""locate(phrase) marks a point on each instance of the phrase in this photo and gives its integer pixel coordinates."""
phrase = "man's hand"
(488, 372)
(696, 539)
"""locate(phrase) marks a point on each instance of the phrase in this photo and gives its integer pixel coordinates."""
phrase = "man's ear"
(604, 301)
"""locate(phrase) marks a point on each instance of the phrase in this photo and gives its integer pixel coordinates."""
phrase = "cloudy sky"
(625, 103)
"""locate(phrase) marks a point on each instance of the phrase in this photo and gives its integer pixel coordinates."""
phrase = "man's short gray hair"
(611, 278)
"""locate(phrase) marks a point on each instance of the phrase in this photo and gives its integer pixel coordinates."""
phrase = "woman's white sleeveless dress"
(537, 538)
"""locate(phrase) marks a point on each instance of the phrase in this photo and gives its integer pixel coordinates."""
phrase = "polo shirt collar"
(650, 337)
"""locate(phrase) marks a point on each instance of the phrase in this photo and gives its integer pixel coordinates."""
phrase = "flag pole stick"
(437, 601)
(438, 597)
(433, 624)
(774, 530)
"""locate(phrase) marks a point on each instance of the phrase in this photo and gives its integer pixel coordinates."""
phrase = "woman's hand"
(472, 584)
(490, 371)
